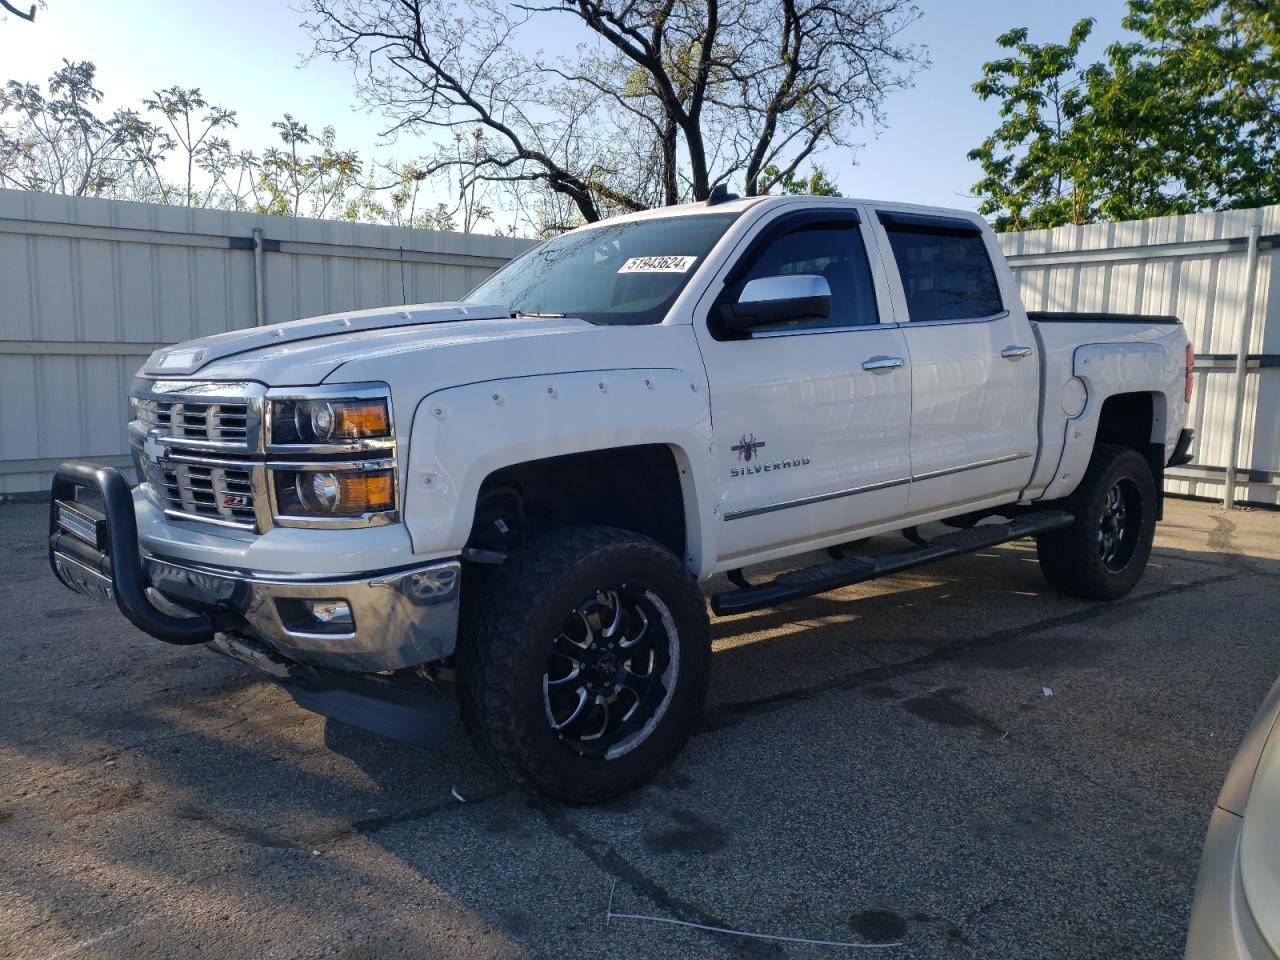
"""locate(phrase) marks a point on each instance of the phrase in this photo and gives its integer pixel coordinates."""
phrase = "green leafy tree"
(1183, 118)
(308, 176)
(1211, 68)
(817, 184)
(1031, 163)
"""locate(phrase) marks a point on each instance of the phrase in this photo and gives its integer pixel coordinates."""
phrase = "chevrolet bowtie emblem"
(154, 450)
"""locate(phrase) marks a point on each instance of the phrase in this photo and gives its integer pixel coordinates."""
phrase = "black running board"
(795, 584)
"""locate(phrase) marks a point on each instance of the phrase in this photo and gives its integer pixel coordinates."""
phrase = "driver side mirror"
(781, 299)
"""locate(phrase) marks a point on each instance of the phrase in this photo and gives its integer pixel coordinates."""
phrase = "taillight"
(1191, 368)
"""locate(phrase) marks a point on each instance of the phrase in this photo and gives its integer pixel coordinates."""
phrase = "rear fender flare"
(1108, 370)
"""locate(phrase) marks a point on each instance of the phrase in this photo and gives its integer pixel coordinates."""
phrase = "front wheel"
(1102, 555)
(583, 661)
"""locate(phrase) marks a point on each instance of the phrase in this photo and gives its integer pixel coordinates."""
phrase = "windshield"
(622, 273)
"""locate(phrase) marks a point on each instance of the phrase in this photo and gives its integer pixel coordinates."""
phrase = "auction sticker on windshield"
(657, 265)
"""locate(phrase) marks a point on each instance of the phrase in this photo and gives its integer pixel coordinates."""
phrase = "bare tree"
(669, 99)
(58, 143)
(193, 125)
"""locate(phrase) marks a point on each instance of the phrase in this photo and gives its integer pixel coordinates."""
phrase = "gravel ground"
(887, 771)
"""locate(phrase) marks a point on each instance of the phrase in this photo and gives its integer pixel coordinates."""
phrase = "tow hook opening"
(331, 617)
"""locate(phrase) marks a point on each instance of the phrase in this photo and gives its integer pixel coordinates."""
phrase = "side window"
(833, 251)
(946, 273)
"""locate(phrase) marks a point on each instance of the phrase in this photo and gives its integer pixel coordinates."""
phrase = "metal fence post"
(259, 275)
(1242, 365)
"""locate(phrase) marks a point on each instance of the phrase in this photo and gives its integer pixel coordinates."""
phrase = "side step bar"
(842, 573)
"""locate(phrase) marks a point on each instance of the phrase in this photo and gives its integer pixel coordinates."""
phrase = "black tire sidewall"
(1089, 504)
(617, 557)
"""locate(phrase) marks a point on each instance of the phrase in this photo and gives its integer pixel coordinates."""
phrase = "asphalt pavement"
(958, 761)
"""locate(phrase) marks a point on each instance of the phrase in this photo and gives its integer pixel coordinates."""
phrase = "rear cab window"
(944, 266)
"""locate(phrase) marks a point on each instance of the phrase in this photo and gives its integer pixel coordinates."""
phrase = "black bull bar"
(96, 552)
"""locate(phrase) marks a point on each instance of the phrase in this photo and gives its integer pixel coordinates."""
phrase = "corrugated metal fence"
(1218, 272)
(88, 288)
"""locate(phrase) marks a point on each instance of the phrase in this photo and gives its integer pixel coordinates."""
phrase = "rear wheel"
(1104, 552)
(583, 662)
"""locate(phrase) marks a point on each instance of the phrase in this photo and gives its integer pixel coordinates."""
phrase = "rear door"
(974, 370)
(811, 421)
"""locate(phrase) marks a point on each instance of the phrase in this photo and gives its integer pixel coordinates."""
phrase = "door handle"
(881, 363)
(1015, 353)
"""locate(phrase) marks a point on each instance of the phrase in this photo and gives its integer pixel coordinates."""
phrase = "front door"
(811, 420)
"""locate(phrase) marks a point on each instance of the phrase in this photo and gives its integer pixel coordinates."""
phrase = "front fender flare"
(460, 435)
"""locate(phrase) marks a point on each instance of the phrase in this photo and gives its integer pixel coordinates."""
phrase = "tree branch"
(29, 16)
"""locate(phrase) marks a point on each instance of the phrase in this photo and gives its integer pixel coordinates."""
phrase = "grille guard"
(111, 566)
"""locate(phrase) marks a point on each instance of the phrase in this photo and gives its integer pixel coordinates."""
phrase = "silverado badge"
(748, 449)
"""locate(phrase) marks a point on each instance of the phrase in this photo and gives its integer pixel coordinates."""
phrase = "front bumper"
(400, 618)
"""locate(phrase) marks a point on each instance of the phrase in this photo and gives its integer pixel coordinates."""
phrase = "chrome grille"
(198, 443)
(186, 419)
(205, 491)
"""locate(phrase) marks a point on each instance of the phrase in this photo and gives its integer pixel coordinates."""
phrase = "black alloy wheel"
(611, 671)
(1120, 524)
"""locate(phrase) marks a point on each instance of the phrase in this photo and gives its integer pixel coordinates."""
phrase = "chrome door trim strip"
(909, 323)
(817, 498)
(977, 464)
(869, 487)
(808, 331)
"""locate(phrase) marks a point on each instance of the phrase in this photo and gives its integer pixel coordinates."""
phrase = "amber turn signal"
(334, 493)
(351, 420)
(318, 422)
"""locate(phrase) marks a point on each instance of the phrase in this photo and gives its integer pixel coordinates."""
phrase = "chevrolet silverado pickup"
(508, 505)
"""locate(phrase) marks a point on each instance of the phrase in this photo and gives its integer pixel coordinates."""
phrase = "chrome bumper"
(400, 618)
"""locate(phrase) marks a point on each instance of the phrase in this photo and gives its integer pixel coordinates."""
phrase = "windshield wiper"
(538, 316)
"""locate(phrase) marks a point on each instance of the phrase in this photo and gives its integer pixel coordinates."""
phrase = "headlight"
(329, 421)
(331, 456)
(334, 493)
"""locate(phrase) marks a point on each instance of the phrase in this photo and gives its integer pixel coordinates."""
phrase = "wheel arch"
(638, 488)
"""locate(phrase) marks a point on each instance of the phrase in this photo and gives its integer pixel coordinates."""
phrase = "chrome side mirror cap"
(766, 301)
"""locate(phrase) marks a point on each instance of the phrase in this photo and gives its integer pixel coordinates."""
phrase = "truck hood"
(306, 351)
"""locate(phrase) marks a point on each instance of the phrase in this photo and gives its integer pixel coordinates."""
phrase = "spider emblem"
(746, 448)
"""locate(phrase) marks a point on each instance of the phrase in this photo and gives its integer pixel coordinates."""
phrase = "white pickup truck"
(508, 503)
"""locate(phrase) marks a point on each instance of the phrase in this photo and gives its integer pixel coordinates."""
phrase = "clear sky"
(247, 56)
